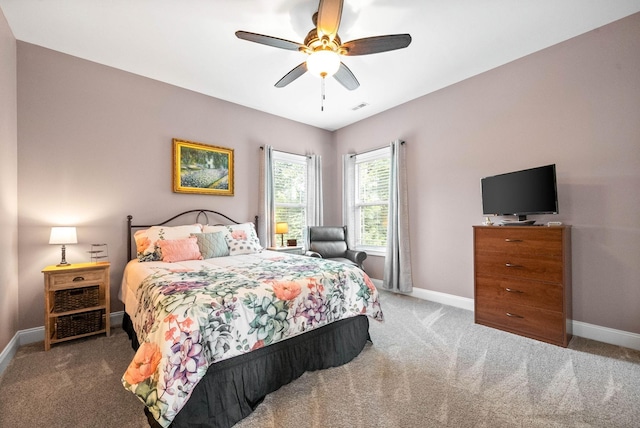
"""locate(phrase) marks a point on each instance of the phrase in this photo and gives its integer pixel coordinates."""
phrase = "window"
(290, 188)
(371, 204)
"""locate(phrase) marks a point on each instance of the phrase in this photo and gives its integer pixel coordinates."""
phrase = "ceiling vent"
(359, 106)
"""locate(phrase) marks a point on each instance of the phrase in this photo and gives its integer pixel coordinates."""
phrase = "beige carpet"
(429, 366)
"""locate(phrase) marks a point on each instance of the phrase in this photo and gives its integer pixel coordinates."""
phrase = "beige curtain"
(267, 209)
(314, 191)
(397, 265)
(348, 196)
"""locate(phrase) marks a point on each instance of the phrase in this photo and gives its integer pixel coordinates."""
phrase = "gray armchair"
(330, 242)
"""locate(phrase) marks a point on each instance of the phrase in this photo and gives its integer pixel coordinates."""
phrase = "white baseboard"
(607, 335)
(9, 351)
(33, 335)
(116, 318)
(443, 298)
(582, 329)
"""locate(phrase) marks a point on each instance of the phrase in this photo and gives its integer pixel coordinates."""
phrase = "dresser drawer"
(520, 266)
(508, 292)
(538, 323)
(77, 278)
(513, 240)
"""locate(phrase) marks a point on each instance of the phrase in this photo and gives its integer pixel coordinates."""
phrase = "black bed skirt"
(233, 388)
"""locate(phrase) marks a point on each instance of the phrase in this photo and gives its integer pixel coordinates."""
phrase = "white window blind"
(372, 199)
(290, 188)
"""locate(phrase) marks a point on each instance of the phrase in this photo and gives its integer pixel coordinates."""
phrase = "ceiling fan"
(324, 47)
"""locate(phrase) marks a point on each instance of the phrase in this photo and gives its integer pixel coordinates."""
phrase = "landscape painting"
(201, 168)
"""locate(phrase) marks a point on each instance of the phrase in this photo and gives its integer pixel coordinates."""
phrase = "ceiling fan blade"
(292, 75)
(269, 40)
(329, 15)
(377, 44)
(346, 78)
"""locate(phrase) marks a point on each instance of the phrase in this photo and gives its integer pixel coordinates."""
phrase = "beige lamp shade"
(282, 227)
(62, 236)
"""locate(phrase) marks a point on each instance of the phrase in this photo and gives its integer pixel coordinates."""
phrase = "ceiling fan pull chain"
(322, 97)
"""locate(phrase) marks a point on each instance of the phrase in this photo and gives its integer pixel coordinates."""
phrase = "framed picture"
(201, 168)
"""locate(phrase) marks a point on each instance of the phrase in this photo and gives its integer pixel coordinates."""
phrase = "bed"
(218, 322)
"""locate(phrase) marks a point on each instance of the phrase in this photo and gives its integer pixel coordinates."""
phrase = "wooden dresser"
(523, 280)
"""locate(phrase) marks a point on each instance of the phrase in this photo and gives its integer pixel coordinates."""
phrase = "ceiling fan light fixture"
(323, 63)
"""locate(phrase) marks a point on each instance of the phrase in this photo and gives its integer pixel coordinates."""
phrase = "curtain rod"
(289, 153)
(372, 150)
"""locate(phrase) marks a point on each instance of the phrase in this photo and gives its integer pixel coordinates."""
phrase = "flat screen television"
(521, 193)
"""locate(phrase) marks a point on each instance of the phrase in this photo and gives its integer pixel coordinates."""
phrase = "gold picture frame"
(202, 168)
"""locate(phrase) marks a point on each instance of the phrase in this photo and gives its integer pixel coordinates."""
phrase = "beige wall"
(95, 145)
(8, 186)
(576, 104)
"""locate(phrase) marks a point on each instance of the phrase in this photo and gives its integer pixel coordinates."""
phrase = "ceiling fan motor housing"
(314, 43)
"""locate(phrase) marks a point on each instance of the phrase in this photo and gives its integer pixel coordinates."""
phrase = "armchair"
(330, 242)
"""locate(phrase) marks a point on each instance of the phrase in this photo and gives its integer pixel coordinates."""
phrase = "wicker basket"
(76, 298)
(76, 324)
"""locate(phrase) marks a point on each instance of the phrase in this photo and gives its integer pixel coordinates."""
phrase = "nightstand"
(290, 250)
(76, 301)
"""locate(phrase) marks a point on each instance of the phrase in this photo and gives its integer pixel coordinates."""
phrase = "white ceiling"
(191, 44)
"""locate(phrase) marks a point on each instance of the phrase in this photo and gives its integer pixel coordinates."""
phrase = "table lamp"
(63, 236)
(282, 228)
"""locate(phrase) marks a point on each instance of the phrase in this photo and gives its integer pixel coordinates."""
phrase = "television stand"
(508, 222)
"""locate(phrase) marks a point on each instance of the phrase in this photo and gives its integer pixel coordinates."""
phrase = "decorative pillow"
(177, 250)
(242, 246)
(243, 231)
(212, 244)
(207, 228)
(147, 239)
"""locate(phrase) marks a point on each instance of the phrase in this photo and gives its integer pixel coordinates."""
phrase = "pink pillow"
(177, 250)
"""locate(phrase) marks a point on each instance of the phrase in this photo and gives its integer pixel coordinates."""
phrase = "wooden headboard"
(200, 212)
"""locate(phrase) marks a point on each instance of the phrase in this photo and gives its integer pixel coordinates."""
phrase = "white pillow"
(147, 239)
(242, 246)
(212, 229)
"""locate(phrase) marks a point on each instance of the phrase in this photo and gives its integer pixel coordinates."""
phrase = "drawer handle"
(511, 290)
(78, 278)
(509, 314)
(511, 265)
(512, 240)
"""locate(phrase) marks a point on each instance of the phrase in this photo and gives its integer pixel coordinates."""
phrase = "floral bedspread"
(191, 314)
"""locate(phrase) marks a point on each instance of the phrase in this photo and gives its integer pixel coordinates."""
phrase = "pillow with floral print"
(147, 239)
